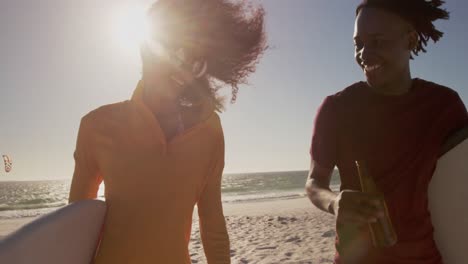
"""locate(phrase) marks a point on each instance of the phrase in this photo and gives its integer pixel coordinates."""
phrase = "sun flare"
(132, 28)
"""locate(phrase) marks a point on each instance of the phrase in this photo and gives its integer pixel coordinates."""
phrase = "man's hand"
(355, 207)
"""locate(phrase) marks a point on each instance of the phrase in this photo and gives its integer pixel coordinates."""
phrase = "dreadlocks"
(419, 13)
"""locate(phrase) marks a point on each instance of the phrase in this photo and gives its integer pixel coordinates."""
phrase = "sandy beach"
(277, 231)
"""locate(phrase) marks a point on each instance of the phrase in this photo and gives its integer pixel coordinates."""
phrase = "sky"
(60, 59)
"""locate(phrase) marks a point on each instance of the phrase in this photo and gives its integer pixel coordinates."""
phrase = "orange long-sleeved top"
(151, 184)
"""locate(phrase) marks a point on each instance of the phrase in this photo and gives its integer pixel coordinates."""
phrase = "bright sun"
(131, 27)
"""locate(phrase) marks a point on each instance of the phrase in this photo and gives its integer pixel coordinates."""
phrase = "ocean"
(34, 198)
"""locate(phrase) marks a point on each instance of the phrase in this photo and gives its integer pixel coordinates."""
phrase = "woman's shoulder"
(108, 112)
(206, 113)
(213, 122)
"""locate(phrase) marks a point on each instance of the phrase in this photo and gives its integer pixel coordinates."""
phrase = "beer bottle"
(382, 232)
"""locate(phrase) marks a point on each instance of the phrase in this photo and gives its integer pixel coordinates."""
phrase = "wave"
(6, 207)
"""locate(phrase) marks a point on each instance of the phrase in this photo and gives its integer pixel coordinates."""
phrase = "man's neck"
(397, 87)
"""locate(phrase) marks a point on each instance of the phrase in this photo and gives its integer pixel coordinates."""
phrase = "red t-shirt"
(400, 137)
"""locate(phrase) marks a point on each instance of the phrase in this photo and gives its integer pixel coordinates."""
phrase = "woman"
(396, 123)
(162, 152)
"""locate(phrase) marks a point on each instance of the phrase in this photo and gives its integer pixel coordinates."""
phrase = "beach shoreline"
(273, 231)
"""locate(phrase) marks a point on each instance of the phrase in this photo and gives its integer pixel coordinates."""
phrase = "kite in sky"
(8, 163)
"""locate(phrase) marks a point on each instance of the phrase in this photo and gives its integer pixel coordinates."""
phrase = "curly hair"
(229, 36)
(419, 13)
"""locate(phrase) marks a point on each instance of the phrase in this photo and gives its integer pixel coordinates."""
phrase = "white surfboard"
(68, 235)
(448, 200)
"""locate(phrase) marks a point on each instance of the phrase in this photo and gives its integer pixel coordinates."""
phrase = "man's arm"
(318, 188)
(213, 230)
(454, 139)
(348, 206)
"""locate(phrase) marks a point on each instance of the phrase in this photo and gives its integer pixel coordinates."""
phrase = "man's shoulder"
(348, 93)
(437, 90)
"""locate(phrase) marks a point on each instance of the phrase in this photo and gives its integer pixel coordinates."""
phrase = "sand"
(277, 231)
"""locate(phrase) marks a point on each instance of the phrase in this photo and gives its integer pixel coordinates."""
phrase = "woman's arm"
(213, 230)
(86, 177)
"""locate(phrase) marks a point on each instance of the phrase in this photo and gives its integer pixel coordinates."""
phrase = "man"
(394, 122)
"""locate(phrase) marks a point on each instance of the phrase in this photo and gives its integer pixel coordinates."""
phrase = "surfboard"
(448, 199)
(68, 235)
